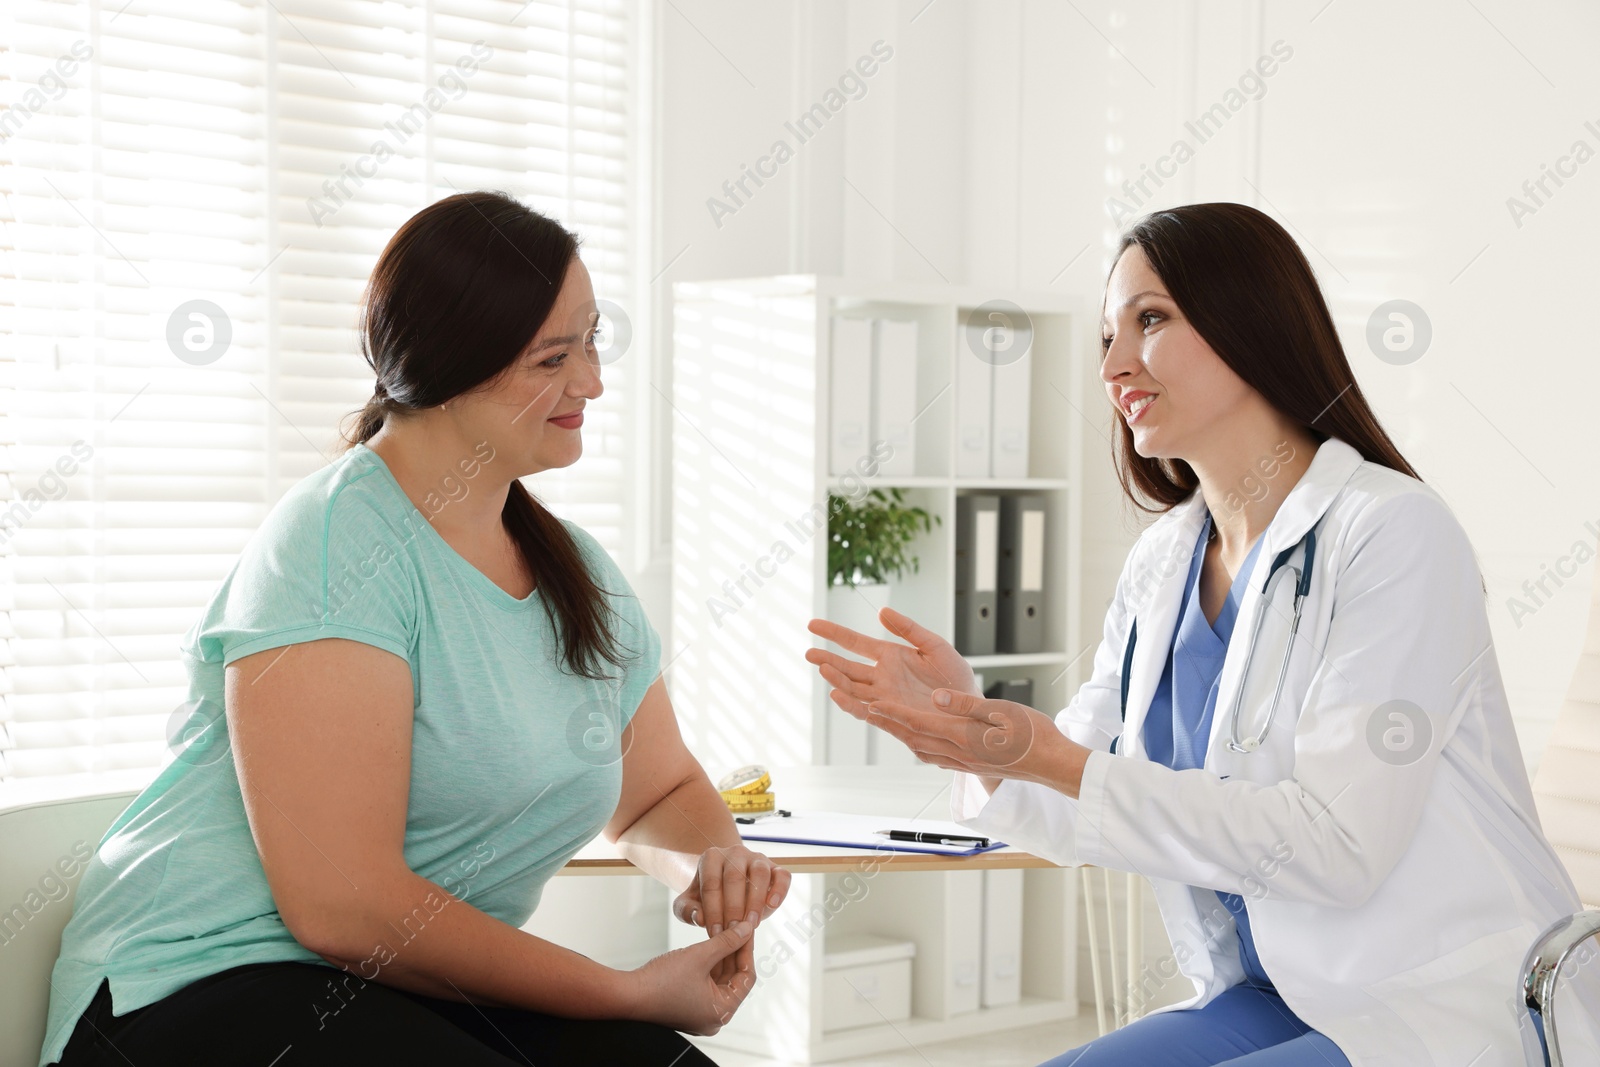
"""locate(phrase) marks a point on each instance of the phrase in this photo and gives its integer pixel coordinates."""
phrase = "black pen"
(779, 814)
(934, 839)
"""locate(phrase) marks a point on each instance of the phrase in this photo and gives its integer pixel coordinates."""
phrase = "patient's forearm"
(666, 842)
(409, 933)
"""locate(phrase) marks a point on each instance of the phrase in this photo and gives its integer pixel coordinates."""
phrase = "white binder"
(963, 942)
(849, 394)
(885, 750)
(894, 396)
(945, 918)
(974, 388)
(1002, 938)
(1011, 398)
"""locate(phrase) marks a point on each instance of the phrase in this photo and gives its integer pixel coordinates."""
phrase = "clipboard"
(856, 831)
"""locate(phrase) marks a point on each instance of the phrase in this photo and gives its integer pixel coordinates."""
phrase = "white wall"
(1388, 142)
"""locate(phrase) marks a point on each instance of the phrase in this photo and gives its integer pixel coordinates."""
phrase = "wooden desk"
(893, 792)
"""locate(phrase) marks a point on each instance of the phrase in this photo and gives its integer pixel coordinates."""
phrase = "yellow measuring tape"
(747, 790)
(749, 803)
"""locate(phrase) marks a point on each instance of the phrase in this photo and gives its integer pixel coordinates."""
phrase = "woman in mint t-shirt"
(417, 694)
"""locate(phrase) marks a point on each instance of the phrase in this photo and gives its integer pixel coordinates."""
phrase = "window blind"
(192, 197)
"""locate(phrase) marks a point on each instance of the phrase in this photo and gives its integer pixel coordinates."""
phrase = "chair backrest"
(1567, 785)
(43, 847)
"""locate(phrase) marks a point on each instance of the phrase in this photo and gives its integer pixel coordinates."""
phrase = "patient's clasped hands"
(925, 695)
(732, 884)
(698, 988)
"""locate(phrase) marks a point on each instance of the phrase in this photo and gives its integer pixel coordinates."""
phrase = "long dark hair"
(457, 295)
(1246, 288)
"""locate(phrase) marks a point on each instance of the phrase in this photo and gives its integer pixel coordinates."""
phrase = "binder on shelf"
(1012, 379)
(848, 737)
(886, 750)
(1020, 626)
(977, 572)
(964, 942)
(1002, 938)
(849, 394)
(894, 396)
(1016, 690)
(974, 386)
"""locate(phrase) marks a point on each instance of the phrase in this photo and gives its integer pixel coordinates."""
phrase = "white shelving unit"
(750, 492)
(751, 444)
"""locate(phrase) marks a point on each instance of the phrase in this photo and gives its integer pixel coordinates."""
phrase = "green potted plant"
(869, 540)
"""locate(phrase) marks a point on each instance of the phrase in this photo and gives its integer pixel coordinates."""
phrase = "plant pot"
(857, 607)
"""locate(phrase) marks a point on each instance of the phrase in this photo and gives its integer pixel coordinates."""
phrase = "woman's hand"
(732, 884)
(905, 674)
(679, 988)
(992, 739)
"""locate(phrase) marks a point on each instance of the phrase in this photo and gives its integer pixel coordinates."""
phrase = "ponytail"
(573, 601)
(369, 420)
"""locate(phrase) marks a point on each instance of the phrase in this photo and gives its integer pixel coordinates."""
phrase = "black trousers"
(308, 1015)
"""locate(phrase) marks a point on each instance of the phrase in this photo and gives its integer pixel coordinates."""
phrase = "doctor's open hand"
(993, 739)
(904, 673)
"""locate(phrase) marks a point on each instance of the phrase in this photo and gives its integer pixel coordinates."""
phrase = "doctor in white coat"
(1365, 809)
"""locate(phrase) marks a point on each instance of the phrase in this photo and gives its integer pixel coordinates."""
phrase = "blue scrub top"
(1178, 724)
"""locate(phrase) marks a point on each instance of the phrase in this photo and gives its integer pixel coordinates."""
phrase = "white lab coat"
(1391, 900)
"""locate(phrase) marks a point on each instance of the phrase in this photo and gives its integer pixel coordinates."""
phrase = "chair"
(36, 902)
(1567, 792)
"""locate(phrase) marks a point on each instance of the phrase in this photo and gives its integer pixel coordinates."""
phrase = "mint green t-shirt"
(515, 764)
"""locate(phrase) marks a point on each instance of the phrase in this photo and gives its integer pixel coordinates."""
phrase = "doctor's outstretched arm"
(907, 675)
(1410, 625)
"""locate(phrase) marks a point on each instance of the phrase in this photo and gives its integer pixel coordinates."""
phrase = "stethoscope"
(1302, 586)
